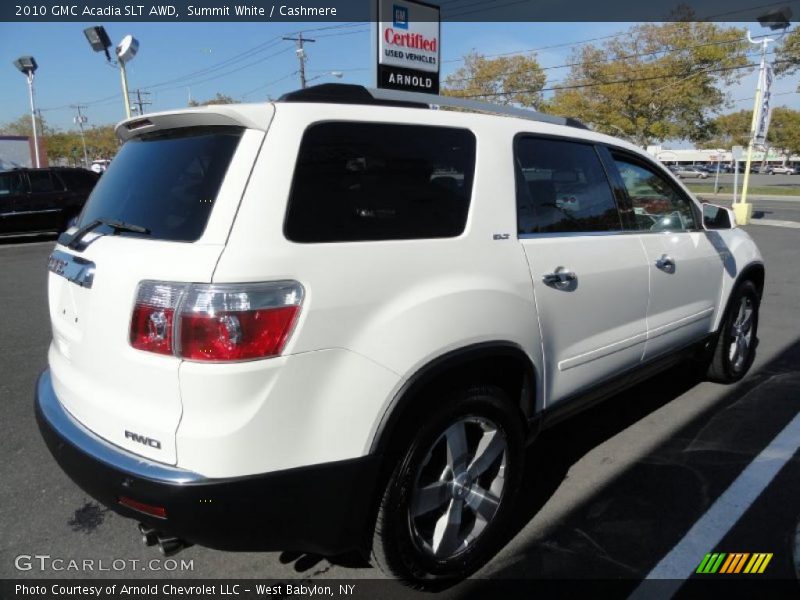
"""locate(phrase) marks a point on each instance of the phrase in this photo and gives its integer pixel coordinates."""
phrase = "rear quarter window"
(375, 181)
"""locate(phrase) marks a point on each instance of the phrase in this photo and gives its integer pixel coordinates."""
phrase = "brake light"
(152, 323)
(215, 322)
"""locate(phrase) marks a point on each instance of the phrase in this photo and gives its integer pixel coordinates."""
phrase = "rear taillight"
(215, 322)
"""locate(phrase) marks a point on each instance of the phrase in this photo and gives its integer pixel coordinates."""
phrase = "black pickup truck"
(40, 200)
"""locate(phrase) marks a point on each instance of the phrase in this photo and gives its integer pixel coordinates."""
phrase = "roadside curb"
(711, 196)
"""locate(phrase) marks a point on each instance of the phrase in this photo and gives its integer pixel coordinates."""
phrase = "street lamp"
(100, 42)
(27, 65)
(337, 74)
(761, 109)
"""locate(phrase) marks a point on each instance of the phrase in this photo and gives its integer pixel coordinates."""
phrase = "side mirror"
(718, 217)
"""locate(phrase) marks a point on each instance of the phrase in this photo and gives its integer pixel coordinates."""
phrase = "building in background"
(17, 151)
(693, 156)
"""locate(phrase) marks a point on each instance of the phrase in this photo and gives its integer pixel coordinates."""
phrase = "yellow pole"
(123, 76)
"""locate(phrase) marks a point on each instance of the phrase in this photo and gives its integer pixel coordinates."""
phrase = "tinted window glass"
(10, 183)
(41, 182)
(166, 182)
(370, 181)
(562, 187)
(657, 206)
(78, 180)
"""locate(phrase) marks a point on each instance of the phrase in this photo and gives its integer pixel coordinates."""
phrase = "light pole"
(125, 51)
(337, 74)
(758, 127)
(27, 65)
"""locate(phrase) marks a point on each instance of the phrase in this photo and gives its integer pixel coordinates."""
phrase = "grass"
(769, 190)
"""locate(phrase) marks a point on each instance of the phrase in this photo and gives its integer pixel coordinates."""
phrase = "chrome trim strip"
(70, 430)
(551, 234)
(72, 268)
(582, 359)
(682, 322)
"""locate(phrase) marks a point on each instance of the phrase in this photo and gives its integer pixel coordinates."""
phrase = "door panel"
(590, 279)
(596, 327)
(685, 268)
(682, 297)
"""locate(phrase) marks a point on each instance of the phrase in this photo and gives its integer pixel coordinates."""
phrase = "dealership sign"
(409, 46)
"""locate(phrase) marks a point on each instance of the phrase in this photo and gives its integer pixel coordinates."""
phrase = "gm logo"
(400, 16)
(140, 439)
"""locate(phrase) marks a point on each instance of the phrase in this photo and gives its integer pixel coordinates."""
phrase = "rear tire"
(446, 506)
(735, 345)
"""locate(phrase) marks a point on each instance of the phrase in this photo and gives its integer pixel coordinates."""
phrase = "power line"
(614, 82)
(609, 59)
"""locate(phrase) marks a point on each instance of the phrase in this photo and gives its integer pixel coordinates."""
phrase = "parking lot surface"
(609, 494)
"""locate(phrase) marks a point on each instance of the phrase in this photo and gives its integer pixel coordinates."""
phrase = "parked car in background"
(41, 200)
(100, 165)
(688, 172)
(780, 170)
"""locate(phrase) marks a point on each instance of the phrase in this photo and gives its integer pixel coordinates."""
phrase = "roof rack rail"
(346, 93)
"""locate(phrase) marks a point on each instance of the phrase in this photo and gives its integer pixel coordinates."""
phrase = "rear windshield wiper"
(72, 241)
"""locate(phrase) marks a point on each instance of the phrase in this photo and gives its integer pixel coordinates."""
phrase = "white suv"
(333, 322)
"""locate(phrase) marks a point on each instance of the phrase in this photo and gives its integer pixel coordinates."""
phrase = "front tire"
(446, 506)
(735, 347)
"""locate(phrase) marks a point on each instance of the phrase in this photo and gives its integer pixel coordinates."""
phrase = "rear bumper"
(324, 508)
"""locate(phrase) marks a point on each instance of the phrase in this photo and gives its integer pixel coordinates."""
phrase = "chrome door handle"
(561, 278)
(666, 263)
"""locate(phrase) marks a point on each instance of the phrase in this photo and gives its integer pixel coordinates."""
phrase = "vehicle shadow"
(619, 531)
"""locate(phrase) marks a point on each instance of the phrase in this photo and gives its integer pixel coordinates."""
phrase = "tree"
(729, 130)
(734, 130)
(784, 131)
(504, 80)
(787, 60)
(660, 81)
(22, 126)
(217, 99)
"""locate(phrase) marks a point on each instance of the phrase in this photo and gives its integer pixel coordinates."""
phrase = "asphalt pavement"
(609, 495)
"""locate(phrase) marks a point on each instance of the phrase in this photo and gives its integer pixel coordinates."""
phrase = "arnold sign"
(409, 45)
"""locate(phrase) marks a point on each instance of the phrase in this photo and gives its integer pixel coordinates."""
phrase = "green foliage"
(22, 126)
(661, 81)
(505, 80)
(729, 130)
(217, 99)
(734, 130)
(784, 131)
(787, 60)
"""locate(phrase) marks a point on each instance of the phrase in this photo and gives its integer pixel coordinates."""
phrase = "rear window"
(167, 182)
(375, 181)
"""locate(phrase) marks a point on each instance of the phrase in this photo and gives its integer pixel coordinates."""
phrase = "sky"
(174, 59)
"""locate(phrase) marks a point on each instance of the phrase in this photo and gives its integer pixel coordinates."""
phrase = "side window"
(374, 181)
(562, 187)
(10, 183)
(657, 205)
(41, 182)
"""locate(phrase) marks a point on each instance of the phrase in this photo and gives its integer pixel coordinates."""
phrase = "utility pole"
(301, 55)
(80, 119)
(140, 104)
